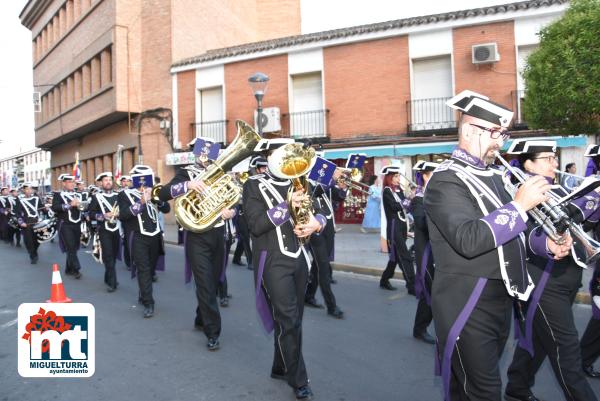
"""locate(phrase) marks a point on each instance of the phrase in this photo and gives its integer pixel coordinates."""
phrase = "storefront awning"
(435, 148)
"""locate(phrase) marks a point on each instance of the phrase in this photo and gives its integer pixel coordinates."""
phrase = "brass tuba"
(198, 212)
(293, 161)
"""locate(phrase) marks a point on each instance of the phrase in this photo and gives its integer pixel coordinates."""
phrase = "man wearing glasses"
(476, 231)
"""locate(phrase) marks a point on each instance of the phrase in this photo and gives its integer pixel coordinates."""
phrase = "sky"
(16, 83)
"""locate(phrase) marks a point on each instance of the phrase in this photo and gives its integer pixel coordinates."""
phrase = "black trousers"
(110, 242)
(222, 288)
(403, 259)
(31, 242)
(320, 273)
(555, 336)
(14, 233)
(144, 255)
(243, 243)
(205, 253)
(71, 237)
(590, 342)
(475, 361)
(424, 315)
(284, 283)
(4, 227)
(126, 254)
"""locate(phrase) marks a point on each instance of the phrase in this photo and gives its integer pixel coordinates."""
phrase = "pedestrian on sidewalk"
(372, 218)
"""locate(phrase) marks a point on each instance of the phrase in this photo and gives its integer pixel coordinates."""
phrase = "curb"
(581, 297)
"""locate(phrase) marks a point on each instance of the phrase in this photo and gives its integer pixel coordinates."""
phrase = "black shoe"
(69, 272)
(530, 397)
(425, 337)
(34, 260)
(411, 291)
(303, 393)
(333, 281)
(278, 375)
(213, 344)
(111, 289)
(154, 278)
(387, 286)
(237, 262)
(18, 245)
(198, 324)
(336, 313)
(148, 311)
(313, 303)
(591, 372)
(250, 267)
(224, 302)
(77, 275)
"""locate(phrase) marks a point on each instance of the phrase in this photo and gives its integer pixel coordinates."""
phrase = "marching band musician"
(424, 276)
(103, 209)
(475, 232)
(125, 182)
(258, 164)
(27, 212)
(139, 215)
(394, 205)
(66, 206)
(549, 328)
(4, 214)
(281, 266)
(593, 166)
(14, 231)
(322, 245)
(204, 252)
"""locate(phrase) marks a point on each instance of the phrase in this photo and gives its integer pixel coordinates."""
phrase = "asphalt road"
(368, 356)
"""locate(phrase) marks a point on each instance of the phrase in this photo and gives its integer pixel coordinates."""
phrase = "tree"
(563, 74)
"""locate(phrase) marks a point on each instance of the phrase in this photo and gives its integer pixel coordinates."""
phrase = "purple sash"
(262, 305)
(455, 330)
(420, 285)
(526, 339)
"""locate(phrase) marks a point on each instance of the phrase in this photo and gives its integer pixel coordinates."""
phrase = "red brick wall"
(493, 80)
(239, 98)
(366, 87)
(186, 105)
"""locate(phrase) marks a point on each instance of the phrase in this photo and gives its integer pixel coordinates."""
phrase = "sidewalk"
(359, 253)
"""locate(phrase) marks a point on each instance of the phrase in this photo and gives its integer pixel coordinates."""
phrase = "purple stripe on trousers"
(61, 240)
(392, 246)
(262, 306)
(526, 339)
(455, 331)
(420, 285)
(188, 267)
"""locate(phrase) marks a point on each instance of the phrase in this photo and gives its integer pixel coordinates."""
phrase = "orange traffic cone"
(57, 291)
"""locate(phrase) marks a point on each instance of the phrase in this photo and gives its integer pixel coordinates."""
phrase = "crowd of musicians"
(495, 243)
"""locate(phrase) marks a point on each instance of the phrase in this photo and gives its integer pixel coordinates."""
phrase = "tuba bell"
(293, 161)
(198, 212)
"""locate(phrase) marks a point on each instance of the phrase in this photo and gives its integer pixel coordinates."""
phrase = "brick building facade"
(102, 68)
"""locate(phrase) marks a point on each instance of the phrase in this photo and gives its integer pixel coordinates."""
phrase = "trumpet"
(351, 178)
(552, 216)
(115, 213)
(83, 205)
(580, 177)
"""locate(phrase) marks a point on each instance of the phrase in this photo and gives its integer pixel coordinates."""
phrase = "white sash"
(134, 195)
(67, 197)
(106, 207)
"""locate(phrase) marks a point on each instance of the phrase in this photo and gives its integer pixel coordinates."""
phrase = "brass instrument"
(351, 178)
(580, 177)
(243, 177)
(115, 213)
(198, 212)
(83, 205)
(293, 161)
(154, 193)
(552, 216)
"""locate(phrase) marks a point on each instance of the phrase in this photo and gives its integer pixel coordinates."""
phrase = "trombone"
(351, 178)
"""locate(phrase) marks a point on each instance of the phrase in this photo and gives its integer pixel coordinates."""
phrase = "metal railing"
(215, 130)
(430, 116)
(518, 98)
(307, 124)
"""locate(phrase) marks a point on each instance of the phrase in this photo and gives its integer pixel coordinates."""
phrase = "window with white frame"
(307, 115)
(210, 114)
(431, 88)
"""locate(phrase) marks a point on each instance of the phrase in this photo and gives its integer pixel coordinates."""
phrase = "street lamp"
(258, 82)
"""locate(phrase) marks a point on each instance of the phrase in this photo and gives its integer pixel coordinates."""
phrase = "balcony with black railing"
(306, 124)
(215, 130)
(430, 117)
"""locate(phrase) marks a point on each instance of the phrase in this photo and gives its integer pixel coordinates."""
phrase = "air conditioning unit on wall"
(485, 53)
(271, 119)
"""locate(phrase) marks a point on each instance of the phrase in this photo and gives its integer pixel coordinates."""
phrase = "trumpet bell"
(291, 161)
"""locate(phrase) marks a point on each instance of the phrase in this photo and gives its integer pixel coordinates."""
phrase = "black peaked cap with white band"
(102, 175)
(390, 170)
(140, 169)
(592, 151)
(480, 106)
(424, 166)
(522, 146)
(65, 177)
(258, 161)
(270, 144)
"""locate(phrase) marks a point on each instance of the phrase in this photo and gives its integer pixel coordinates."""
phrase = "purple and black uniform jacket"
(129, 212)
(34, 206)
(63, 210)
